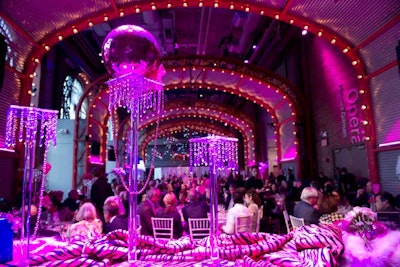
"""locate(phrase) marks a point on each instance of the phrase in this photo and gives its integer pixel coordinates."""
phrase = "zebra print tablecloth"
(307, 246)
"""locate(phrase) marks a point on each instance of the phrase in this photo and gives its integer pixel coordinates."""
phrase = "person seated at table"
(363, 195)
(385, 202)
(53, 213)
(114, 215)
(70, 204)
(307, 207)
(195, 208)
(88, 226)
(328, 207)
(170, 211)
(238, 209)
(229, 196)
(147, 209)
(253, 203)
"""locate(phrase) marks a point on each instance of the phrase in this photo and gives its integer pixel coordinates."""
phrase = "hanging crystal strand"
(10, 128)
(21, 126)
(43, 124)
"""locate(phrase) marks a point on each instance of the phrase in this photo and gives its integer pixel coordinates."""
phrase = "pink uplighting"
(394, 133)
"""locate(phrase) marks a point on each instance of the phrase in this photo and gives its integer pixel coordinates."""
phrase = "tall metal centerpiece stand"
(23, 125)
(219, 153)
(132, 56)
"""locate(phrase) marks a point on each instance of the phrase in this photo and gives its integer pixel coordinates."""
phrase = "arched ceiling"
(258, 32)
(218, 28)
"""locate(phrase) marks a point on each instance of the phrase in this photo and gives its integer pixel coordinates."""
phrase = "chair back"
(163, 228)
(243, 224)
(286, 218)
(296, 222)
(199, 228)
(259, 217)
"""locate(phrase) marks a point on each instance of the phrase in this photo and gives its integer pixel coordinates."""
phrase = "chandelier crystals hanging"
(136, 93)
(217, 151)
(26, 128)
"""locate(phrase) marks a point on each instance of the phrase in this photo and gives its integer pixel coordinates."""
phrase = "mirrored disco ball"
(131, 49)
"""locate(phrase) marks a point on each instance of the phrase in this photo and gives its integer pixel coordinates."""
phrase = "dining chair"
(243, 224)
(163, 228)
(296, 222)
(286, 218)
(199, 228)
(260, 214)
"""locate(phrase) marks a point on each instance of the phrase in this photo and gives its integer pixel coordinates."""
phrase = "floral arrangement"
(363, 222)
(360, 217)
(14, 218)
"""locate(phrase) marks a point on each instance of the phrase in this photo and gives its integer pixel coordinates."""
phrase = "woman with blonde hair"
(88, 225)
(171, 211)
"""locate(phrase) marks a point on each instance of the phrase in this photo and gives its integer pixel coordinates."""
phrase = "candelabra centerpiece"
(23, 126)
(132, 56)
(219, 153)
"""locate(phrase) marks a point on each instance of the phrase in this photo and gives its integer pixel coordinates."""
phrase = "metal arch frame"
(271, 83)
(244, 129)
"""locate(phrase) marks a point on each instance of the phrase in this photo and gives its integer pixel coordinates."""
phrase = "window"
(72, 92)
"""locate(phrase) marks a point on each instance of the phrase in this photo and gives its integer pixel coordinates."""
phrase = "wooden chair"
(296, 222)
(199, 228)
(286, 218)
(243, 224)
(163, 228)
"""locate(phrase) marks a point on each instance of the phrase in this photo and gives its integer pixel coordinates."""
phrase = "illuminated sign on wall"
(351, 116)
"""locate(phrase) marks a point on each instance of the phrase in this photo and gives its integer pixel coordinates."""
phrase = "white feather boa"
(385, 251)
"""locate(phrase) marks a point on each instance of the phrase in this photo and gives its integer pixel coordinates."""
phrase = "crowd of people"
(321, 200)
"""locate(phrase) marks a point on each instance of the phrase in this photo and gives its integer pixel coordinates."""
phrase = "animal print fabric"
(310, 245)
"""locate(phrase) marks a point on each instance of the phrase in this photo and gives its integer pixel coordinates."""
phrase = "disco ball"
(131, 49)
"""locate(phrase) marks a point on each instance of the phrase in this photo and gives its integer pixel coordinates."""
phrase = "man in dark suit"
(100, 191)
(195, 208)
(306, 208)
(147, 209)
(113, 220)
(254, 181)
